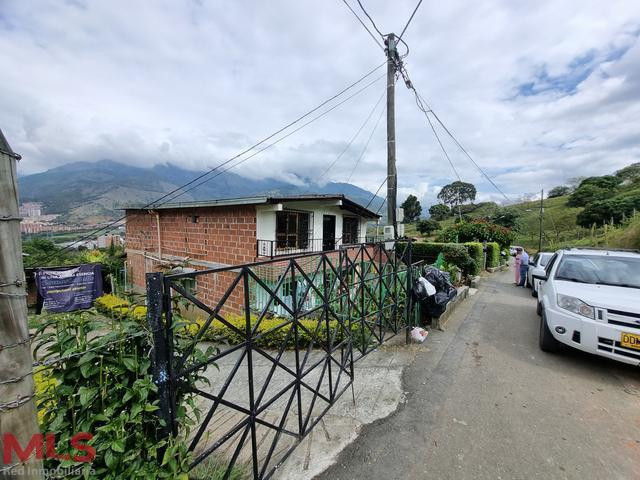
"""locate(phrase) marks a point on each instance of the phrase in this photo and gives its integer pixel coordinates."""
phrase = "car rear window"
(600, 270)
(544, 258)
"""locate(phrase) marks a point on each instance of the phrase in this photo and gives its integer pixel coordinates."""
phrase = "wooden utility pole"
(541, 214)
(392, 176)
(18, 416)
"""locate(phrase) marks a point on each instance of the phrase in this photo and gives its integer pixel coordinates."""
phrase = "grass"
(214, 467)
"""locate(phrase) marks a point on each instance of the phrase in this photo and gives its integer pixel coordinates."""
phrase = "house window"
(350, 227)
(292, 229)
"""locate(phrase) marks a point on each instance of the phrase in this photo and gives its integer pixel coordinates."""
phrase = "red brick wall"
(224, 235)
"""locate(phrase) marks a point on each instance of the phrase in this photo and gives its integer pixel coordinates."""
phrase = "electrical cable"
(111, 225)
(364, 25)
(376, 194)
(366, 145)
(350, 141)
(428, 109)
(370, 19)
(410, 18)
(277, 141)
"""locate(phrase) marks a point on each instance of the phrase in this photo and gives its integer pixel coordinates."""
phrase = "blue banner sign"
(68, 289)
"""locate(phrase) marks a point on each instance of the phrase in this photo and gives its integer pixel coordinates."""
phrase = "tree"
(412, 209)
(607, 182)
(586, 194)
(631, 172)
(439, 211)
(559, 191)
(457, 193)
(427, 227)
(506, 217)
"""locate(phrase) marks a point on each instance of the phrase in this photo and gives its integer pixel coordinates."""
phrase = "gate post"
(408, 309)
(160, 354)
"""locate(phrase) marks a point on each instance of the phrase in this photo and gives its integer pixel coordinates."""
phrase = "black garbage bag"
(436, 304)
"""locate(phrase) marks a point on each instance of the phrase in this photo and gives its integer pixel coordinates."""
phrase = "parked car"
(512, 250)
(536, 265)
(589, 299)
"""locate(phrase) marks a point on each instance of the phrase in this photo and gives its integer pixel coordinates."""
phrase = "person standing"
(517, 265)
(524, 265)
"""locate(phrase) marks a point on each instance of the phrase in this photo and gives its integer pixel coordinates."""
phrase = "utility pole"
(17, 406)
(541, 214)
(392, 176)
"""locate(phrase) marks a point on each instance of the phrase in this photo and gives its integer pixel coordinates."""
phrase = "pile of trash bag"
(433, 290)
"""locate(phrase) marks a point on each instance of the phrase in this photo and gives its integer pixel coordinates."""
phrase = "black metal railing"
(278, 248)
(269, 379)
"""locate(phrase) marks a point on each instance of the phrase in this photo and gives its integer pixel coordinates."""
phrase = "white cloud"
(195, 82)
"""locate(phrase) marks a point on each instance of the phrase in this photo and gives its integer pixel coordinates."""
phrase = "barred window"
(292, 229)
(350, 227)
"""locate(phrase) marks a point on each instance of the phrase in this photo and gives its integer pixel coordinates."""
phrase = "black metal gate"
(274, 343)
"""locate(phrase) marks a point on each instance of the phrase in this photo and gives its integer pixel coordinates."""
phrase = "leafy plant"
(102, 384)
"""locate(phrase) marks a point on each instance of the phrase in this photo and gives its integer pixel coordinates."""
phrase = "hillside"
(601, 211)
(86, 193)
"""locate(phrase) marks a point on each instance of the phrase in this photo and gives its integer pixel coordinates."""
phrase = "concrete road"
(483, 402)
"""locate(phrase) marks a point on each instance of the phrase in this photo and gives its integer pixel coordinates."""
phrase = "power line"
(350, 141)
(363, 24)
(370, 19)
(376, 194)
(151, 204)
(444, 151)
(410, 18)
(428, 109)
(366, 145)
(277, 141)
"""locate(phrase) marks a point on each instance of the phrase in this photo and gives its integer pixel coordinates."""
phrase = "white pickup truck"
(590, 299)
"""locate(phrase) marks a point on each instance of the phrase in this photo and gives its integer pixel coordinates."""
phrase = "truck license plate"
(630, 340)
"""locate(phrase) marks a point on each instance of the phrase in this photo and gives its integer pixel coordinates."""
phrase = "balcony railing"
(273, 248)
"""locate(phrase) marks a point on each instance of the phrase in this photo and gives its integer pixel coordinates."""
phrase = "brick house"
(227, 232)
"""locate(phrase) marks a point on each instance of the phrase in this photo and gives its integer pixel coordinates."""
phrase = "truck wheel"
(547, 342)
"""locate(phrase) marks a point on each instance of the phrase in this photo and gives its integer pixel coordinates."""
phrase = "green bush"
(478, 231)
(493, 254)
(102, 384)
(476, 252)
(426, 251)
(458, 255)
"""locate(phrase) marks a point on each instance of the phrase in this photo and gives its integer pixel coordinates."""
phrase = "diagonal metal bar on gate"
(275, 427)
(221, 441)
(276, 438)
(274, 364)
(270, 292)
(218, 399)
(310, 283)
(210, 360)
(214, 407)
(273, 295)
(315, 395)
(215, 314)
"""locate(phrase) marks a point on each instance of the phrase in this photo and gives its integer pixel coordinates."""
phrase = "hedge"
(493, 254)
(476, 252)
(217, 331)
(120, 308)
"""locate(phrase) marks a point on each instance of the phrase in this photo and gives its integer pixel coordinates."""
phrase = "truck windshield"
(600, 270)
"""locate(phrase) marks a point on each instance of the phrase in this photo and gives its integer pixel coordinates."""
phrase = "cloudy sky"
(538, 92)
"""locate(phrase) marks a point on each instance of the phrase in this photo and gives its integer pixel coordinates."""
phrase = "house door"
(329, 232)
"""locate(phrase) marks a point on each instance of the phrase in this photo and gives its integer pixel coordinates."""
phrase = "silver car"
(536, 267)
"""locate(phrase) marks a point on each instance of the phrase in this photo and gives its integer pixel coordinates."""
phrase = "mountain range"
(92, 192)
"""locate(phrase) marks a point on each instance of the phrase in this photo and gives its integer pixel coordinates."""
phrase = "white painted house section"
(266, 218)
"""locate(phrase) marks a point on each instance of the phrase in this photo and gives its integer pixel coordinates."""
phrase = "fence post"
(409, 300)
(160, 356)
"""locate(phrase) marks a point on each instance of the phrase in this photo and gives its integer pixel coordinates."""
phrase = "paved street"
(484, 402)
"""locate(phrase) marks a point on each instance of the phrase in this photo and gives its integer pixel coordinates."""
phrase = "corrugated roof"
(347, 204)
